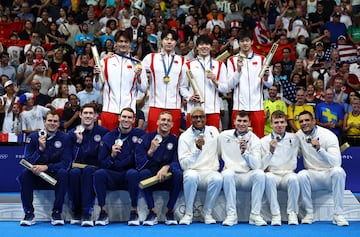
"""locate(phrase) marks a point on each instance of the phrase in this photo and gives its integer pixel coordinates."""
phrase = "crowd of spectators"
(55, 64)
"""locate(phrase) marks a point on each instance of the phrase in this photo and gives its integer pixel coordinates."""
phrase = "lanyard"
(197, 131)
(203, 66)
(124, 138)
(243, 56)
(170, 66)
(277, 136)
(238, 134)
(133, 60)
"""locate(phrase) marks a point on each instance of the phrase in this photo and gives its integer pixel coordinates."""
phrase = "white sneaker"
(186, 219)
(56, 218)
(308, 218)
(208, 219)
(276, 220)
(230, 220)
(293, 218)
(256, 219)
(86, 221)
(170, 219)
(151, 219)
(28, 220)
(134, 219)
(103, 219)
(75, 221)
(340, 220)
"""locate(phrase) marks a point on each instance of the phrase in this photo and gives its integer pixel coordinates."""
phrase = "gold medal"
(207, 71)
(138, 65)
(166, 79)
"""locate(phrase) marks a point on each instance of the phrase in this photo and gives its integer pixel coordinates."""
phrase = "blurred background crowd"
(46, 59)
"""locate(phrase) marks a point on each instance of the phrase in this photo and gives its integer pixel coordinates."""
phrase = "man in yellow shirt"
(270, 105)
(295, 109)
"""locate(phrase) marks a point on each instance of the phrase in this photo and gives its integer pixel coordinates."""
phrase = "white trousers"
(208, 180)
(253, 180)
(332, 179)
(287, 182)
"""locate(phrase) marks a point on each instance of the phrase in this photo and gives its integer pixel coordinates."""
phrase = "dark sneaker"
(75, 219)
(28, 220)
(170, 219)
(151, 219)
(103, 219)
(134, 219)
(86, 221)
(56, 218)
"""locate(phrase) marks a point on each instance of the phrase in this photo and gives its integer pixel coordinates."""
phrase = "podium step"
(118, 206)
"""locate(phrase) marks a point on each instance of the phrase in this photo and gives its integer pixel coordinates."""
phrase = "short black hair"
(203, 39)
(242, 114)
(127, 109)
(171, 32)
(88, 105)
(122, 33)
(245, 34)
(306, 112)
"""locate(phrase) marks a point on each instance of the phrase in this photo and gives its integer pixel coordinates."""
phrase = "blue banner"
(10, 168)
(351, 165)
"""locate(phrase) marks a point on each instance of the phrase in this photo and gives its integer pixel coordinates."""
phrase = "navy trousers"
(29, 182)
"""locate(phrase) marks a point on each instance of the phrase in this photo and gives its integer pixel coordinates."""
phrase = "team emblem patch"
(134, 139)
(170, 146)
(58, 144)
(97, 138)
(28, 140)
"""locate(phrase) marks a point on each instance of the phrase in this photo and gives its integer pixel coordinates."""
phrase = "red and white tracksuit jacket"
(121, 86)
(161, 94)
(206, 87)
(248, 87)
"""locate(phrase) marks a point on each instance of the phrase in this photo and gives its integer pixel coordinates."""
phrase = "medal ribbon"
(203, 66)
(133, 60)
(170, 66)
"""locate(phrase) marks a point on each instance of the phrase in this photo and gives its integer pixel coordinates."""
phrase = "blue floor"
(318, 229)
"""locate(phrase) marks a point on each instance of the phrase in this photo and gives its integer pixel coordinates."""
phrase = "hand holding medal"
(138, 69)
(78, 132)
(116, 148)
